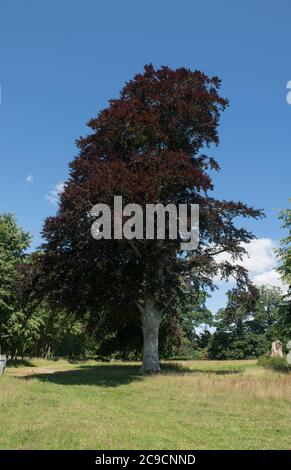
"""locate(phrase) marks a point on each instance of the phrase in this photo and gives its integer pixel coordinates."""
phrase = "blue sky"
(60, 61)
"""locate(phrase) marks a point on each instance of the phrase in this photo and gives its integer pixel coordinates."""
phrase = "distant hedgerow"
(275, 363)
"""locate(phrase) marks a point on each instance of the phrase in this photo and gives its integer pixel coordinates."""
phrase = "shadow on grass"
(114, 375)
(178, 368)
(19, 363)
(99, 376)
(220, 371)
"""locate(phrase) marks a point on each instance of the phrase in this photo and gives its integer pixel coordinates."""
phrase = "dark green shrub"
(278, 364)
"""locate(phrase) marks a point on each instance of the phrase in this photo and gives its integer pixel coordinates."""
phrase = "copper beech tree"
(146, 147)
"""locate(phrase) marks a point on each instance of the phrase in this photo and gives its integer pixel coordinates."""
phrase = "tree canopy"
(284, 251)
(13, 243)
(246, 329)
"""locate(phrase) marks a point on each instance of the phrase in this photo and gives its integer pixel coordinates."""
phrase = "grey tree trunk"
(151, 320)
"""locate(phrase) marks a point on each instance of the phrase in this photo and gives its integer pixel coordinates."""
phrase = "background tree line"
(31, 329)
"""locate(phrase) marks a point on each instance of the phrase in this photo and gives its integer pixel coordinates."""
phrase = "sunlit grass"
(192, 405)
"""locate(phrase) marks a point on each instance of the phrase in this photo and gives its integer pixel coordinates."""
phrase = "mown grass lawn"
(198, 405)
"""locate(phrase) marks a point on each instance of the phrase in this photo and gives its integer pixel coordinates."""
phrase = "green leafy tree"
(194, 319)
(266, 317)
(246, 329)
(284, 251)
(13, 243)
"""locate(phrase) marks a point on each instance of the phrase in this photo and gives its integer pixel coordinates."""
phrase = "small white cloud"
(53, 196)
(29, 179)
(261, 255)
(270, 278)
(260, 261)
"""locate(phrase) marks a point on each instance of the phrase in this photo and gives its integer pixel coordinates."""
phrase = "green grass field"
(195, 405)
